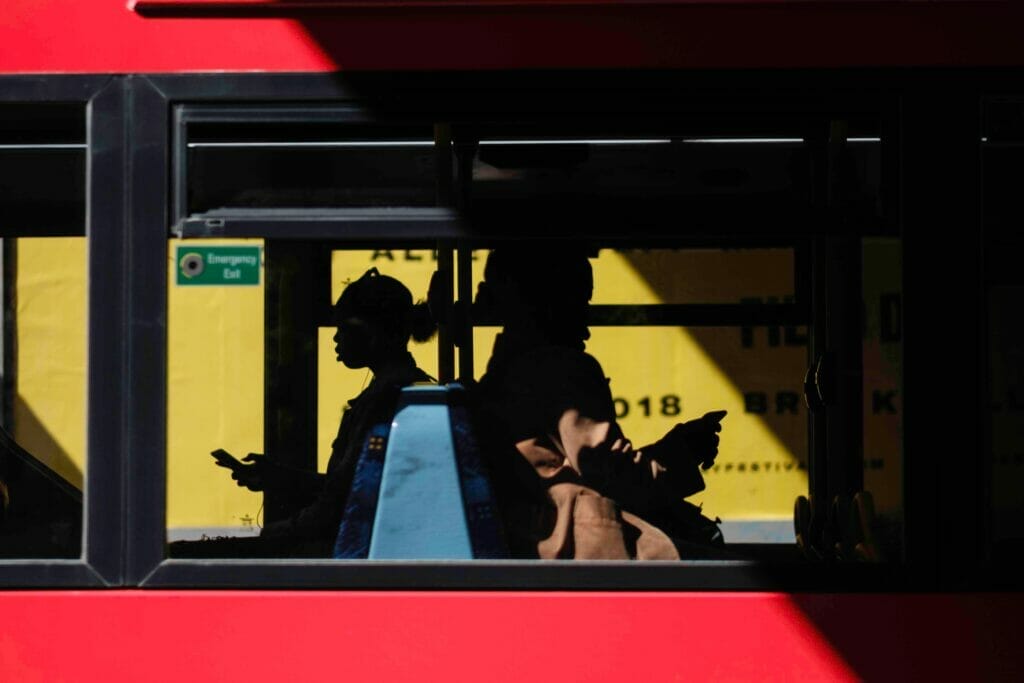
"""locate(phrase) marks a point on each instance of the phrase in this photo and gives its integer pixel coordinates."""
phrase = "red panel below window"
(624, 637)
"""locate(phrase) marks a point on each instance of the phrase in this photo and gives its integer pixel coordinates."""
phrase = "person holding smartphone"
(376, 319)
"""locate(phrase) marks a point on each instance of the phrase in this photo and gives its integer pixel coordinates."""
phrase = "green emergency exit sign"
(200, 265)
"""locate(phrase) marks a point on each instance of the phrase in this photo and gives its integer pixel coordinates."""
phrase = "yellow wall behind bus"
(215, 372)
(214, 397)
(50, 315)
(216, 383)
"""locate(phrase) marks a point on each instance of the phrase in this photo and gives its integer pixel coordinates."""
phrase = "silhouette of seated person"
(375, 318)
(569, 483)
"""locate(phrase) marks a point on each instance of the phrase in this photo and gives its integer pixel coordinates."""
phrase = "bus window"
(42, 401)
(693, 312)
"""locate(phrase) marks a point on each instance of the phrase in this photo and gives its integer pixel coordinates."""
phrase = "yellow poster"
(659, 375)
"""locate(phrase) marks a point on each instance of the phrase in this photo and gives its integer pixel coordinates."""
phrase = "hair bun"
(422, 325)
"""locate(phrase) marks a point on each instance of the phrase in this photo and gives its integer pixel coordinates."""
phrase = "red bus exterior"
(156, 635)
(266, 636)
(107, 36)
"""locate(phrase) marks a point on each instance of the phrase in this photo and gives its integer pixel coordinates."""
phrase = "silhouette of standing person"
(569, 483)
(375, 318)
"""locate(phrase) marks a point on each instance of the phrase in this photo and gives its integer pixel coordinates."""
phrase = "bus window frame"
(128, 227)
(147, 562)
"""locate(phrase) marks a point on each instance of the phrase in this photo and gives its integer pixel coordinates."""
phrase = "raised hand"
(255, 475)
(695, 441)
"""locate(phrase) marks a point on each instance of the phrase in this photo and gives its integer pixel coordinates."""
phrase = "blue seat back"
(420, 489)
(353, 542)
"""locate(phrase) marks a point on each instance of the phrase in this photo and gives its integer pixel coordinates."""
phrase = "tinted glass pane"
(42, 445)
(694, 276)
(662, 376)
(42, 169)
(631, 167)
(250, 166)
(42, 379)
(253, 369)
(215, 374)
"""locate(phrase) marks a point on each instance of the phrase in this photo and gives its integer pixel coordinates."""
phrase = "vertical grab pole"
(817, 461)
(844, 295)
(465, 151)
(293, 304)
(445, 255)
(465, 310)
(445, 328)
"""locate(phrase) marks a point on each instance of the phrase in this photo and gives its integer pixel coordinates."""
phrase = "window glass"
(660, 376)
(42, 169)
(223, 373)
(252, 368)
(43, 331)
(42, 454)
(694, 276)
(215, 381)
(631, 166)
(215, 391)
(256, 365)
(279, 166)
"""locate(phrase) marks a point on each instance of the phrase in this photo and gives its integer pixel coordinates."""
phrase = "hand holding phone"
(695, 440)
(250, 472)
(713, 421)
(225, 459)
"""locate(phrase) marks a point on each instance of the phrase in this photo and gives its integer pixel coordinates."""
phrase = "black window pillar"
(943, 292)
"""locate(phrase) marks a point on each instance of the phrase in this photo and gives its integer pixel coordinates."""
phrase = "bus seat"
(420, 489)
(353, 541)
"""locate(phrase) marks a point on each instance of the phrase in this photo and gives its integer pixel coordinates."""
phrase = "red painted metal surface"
(285, 6)
(106, 36)
(312, 636)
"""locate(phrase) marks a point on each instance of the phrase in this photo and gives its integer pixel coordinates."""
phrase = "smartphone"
(715, 415)
(225, 459)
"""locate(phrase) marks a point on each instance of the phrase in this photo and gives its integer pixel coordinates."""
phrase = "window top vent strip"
(430, 143)
(5, 147)
(316, 143)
